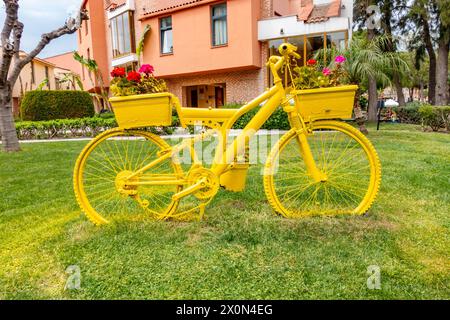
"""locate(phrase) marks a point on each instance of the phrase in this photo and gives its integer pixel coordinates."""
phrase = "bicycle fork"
(302, 132)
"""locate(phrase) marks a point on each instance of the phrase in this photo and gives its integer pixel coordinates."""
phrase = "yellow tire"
(100, 170)
(346, 157)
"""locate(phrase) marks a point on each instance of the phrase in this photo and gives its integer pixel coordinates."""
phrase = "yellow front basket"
(325, 103)
(144, 110)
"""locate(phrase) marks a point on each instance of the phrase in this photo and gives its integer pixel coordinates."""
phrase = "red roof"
(306, 8)
(114, 4)
(156, 7)
(311, 13)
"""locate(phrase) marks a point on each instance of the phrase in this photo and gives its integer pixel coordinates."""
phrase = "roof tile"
(321, 13)
(160, 6)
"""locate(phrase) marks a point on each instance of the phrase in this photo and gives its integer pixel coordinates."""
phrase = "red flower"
(311, 62)
(134, 76)
(118, 73)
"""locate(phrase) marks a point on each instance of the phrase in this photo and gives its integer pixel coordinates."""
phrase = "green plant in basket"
(311, 77)
(134, 83)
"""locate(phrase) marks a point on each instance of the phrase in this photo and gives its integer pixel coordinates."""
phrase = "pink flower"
(339, 59)
(147, 69)
(326, 71)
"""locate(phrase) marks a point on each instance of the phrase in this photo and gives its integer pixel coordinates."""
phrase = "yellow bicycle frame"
(225, 156)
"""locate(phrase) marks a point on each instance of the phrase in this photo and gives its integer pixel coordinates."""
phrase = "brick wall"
(241, 86)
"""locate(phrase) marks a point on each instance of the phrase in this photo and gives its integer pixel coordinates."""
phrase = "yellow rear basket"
(326, 103)
(144, 110)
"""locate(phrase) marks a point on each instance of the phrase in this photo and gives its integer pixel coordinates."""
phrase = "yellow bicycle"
(320, 167)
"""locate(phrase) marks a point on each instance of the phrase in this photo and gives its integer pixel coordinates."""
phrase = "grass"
(241, 250)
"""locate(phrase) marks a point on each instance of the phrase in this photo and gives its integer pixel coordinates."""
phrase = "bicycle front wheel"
(105, 163)
(348, 161)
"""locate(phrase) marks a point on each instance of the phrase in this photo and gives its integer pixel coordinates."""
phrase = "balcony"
(308, 18)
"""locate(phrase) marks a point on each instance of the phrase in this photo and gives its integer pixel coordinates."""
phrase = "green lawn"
(241, 250)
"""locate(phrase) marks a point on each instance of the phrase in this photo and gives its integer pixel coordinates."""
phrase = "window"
(337, 40)
(122, 34)
(165, 25)
(219, 24)
(86, 25)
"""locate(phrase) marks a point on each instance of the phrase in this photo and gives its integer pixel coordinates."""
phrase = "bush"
(41, 105)
(106, 115)
(435, 117)
(71, 128)
(278, 120)
(409, 114)
(63, 128)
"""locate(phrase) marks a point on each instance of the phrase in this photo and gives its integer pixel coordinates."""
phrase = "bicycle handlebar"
(287, 49)
(276, 62)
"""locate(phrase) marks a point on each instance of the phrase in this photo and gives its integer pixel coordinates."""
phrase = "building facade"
(38, 73)
(210, 52)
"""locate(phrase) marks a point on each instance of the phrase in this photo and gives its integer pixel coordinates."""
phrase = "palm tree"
(367, 59)
(92, 67)
(141, 43)
(73, 80)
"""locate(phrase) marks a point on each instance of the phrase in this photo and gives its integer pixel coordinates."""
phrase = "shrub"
(278, 120)
(435, 117)
(41, 105)
(71, 128)
(106, 115)
(409, 114)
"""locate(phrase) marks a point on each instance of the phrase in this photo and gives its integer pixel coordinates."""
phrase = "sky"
(41, 16)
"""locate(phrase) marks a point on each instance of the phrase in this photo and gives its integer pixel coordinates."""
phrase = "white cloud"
(44, 16)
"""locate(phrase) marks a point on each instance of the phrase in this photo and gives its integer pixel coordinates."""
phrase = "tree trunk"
(373, 99)
(10, 142)
(442, 98)
(391, 47)
(359, 117)
(421, 91)
(432, 80)
(372, 107)
(399, 90)
(432, 57)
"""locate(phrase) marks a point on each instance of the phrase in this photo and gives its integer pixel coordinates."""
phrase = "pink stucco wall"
(65, 61)
(192, 49)
(94, 40)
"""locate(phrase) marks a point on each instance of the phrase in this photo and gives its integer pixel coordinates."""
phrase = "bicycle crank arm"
(158, 183)
(190, 190)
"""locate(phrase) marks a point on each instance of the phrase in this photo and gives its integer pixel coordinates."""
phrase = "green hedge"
(42, 105)
(278, 120)
(71, 128)
(409, 114)
(63, 128)
(435, 117)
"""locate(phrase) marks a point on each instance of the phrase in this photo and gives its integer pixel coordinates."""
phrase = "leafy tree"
(11, 64)
(367, 59)
(430, 22)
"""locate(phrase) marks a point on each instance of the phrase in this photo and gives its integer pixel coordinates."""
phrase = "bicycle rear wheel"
(350, 164)
(104, 164)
